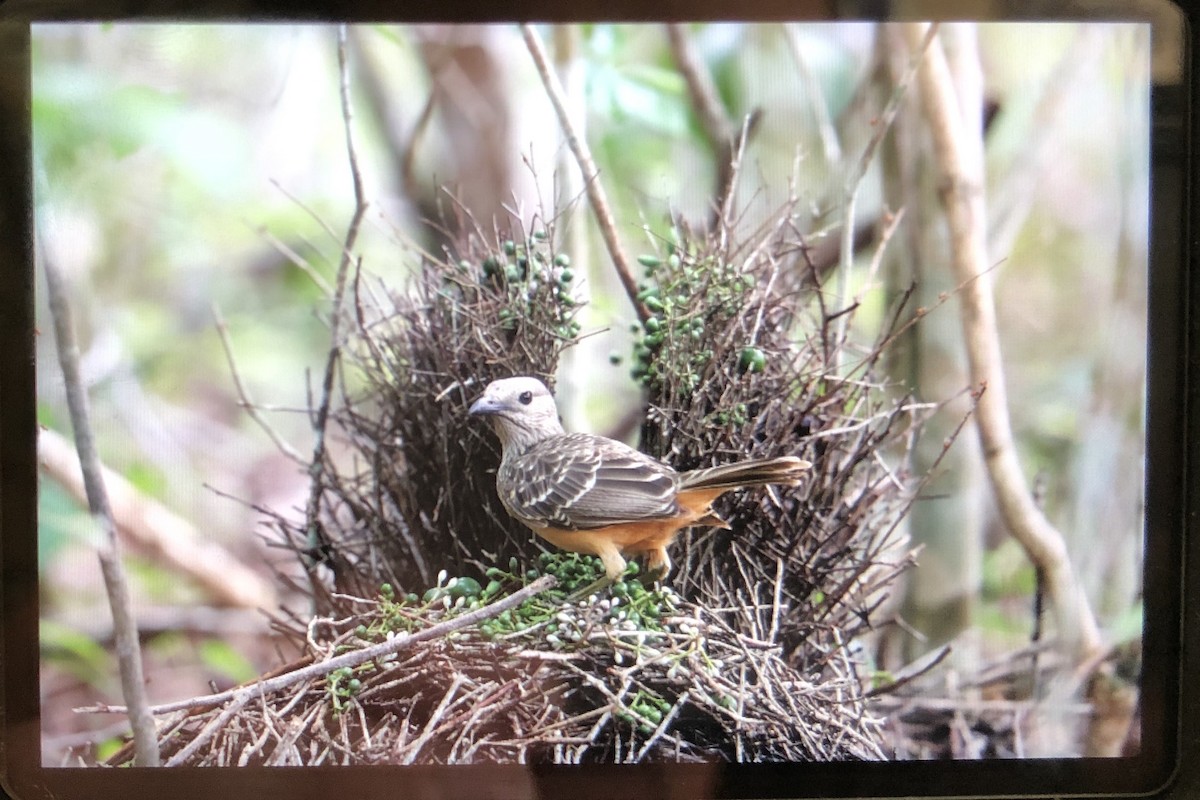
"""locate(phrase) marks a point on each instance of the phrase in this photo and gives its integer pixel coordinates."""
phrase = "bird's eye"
(525, 397)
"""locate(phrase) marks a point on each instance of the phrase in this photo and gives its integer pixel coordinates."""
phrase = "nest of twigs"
(637, 676)
(746, 659)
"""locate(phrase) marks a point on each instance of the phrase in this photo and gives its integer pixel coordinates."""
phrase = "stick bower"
(757, 654)
(638, 676)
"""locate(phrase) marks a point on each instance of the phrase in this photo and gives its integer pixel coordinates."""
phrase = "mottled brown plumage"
(591, 494)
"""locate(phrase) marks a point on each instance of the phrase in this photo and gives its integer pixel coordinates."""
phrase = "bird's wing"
(579, 481)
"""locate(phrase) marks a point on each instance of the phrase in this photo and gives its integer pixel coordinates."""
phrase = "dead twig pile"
(741, 359)
(642, 677)
(749, 661)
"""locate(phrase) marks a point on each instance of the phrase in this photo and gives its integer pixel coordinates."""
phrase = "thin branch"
(408, 157)
(108, 547)
(911, 673)
(820, 107)
(850, 199)
(402, 146)
(244, 395)
(317, 465)
(725, 138)
(890, 223)
(297, 260)
(706, 100)
(591, 176)
(353, 658)
(958, 153)
(216, 724)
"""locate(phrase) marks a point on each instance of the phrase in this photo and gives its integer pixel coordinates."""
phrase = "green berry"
(466, 587)
(752, 360)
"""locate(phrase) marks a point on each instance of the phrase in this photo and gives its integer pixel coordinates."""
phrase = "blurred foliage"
(78, 654)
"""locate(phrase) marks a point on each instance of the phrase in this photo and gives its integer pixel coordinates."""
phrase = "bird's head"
(521, 410)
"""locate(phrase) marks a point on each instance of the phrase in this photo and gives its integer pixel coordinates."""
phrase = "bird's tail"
(757, 472)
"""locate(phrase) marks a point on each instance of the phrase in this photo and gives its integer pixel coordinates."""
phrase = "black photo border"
(1169, 765)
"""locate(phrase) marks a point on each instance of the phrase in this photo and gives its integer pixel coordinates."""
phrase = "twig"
(720, 130)
(958, 153)
(820, 108)
(431, 727)
(591, 176)
(850, 197)
(408, 158)
(353, 658)
(402, 146)
(714, 119)
(108, 547)
(317, 465)
(300, 262)
(890, 223)
(210, 730)
(155, 528)
(244, 395)
(912, 673)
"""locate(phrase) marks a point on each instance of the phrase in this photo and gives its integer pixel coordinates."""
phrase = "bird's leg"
(658, 564)
(614, 566)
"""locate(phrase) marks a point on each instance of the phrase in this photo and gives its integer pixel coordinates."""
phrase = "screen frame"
(1170, 633)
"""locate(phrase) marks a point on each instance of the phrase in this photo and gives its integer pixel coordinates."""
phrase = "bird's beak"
(483, 407)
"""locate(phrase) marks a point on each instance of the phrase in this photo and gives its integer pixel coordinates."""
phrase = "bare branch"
(244, 395)
(850, 198)
(714, 119)
(958, 152)
(108, 547)
(297, 260)
(317, 465)
(210, 730)
(591, 176)
(726, 139)
(352, 658)
(820, 107)
(402, 146)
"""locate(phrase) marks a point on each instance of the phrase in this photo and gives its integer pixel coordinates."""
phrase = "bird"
(595, 495)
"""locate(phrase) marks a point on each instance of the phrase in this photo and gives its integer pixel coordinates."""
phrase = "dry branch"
(724, 136)
(859, 170)
(352, 658)
(958, 152)
(244, 395)
(587, 165)
(108, 546)
(320, 420)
